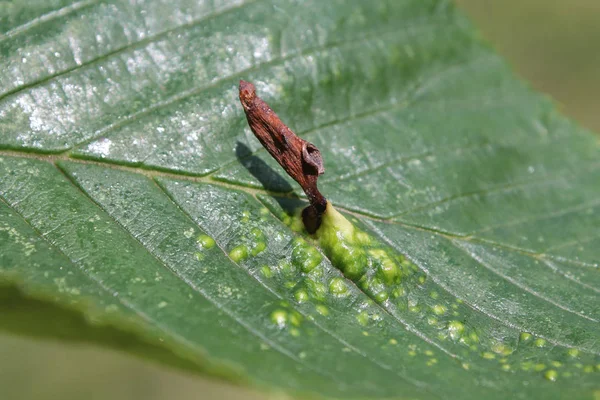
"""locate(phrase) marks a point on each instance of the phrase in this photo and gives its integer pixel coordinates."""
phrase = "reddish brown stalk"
(300, 159)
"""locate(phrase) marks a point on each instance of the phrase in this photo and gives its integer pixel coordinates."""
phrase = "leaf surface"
(139, 210)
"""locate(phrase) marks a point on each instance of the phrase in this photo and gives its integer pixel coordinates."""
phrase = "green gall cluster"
(305, 256)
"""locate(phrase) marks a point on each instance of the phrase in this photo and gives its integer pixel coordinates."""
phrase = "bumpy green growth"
(206, 242)
(551, 375)
(266, 271)
(337, 236)
(524, 337)
(377, 270)
(239, 253)
(259, 248)
(305, 256)
(456, 329)
(279, 318)
(301, 296)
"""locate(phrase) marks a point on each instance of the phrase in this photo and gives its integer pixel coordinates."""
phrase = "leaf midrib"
(153, 173)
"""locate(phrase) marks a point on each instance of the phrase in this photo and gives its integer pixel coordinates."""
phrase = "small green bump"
(301, 296)
(287, 268)
(338, 287)
(422, 279)
(500, 348)
(295, 318)
(321, 309)
(245, 216)
(266, 271)
(573, 353)
(432, 321)
(539, 367)
(431, 362)
(488, 356)
(206, 242)
(539, 342)
(239, 253)
(316, 289)
(393, 342)
(290, 284)
(259, 248)
(353, 261)
(474, 337)
(414, 308)
(317, 272)
(466, 366)
(434, 295)
(294, 332)
(363, 318)
(505, 367)
(381, 296)
(264, 211)
(556, 364)
(439, 309)
(257, 235)
(588, 369)
(199, 256)
(365, 333)
(279, 318)
(456, 329)
(524, 337)
(412, 353)
(428, 353)
(389, 271)
(398, 292)
(551, 375)
(306, 257)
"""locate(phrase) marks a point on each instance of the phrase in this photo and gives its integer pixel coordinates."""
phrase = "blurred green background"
(554, 44)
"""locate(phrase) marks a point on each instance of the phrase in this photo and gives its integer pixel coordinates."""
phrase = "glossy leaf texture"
(137, 210)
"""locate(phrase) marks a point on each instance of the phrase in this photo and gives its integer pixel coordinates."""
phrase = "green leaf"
(137, 209)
